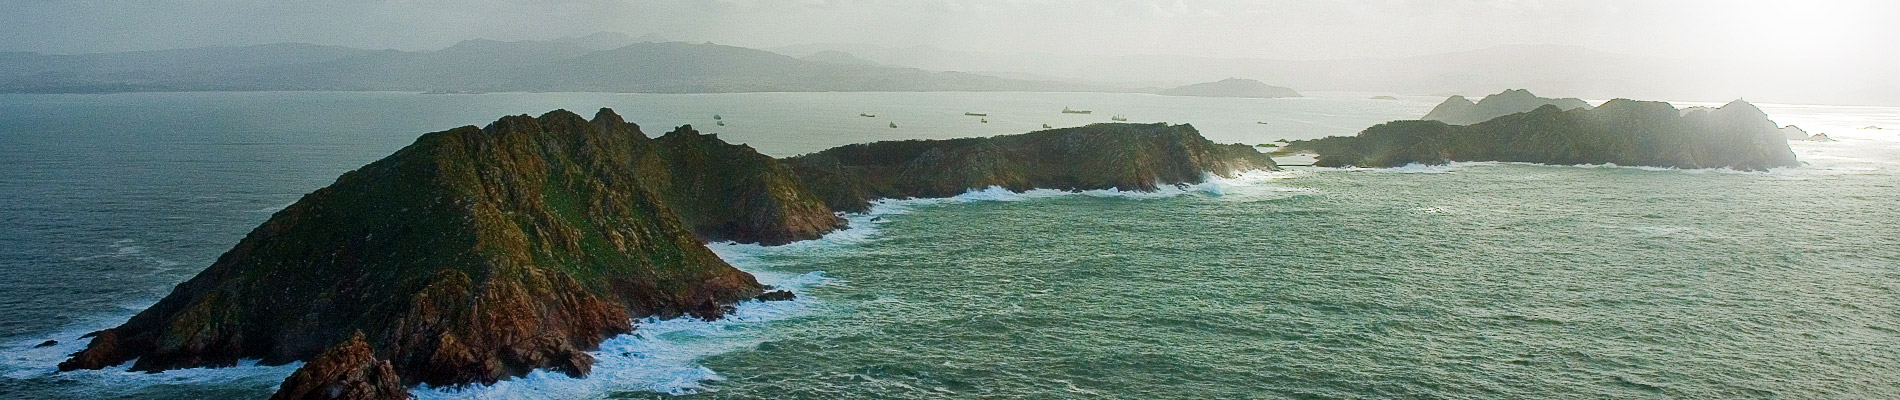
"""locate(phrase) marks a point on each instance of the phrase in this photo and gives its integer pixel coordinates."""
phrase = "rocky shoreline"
(480, 254)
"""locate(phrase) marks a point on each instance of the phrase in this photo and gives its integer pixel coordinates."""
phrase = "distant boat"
(986, 120)
(976, 114)
(1046, 126)
(1260, 122)
(868, 115)
(1118, 118)
(893, 125)
(1066, 110)
(721, 123)
(716, 117)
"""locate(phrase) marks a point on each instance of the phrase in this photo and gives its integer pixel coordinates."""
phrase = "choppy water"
(1476, 280)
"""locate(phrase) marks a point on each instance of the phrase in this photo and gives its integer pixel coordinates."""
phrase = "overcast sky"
(1865, 31)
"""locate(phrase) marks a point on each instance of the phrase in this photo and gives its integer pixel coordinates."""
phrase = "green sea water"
(1473, 280)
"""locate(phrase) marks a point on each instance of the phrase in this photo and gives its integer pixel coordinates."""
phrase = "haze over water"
(1468, 280)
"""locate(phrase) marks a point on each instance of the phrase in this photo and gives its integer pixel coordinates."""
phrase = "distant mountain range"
(1232, 87)
(619, 63)
(591, 63)
(1571, 71)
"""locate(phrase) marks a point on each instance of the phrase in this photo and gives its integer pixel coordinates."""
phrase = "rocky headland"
(1622, 132)
(479, 254)
(1458, 110)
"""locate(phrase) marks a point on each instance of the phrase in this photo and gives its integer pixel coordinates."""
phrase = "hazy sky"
(1866, 31)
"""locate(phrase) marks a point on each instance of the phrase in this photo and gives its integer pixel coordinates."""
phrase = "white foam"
(25, 361)
(660, 355)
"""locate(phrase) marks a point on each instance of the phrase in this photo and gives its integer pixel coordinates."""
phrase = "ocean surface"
(1472, 280)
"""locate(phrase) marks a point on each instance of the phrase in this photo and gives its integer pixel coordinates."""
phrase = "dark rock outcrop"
(1232, 87)
(777, 295)
(479, 254)
(1098, 156)
(1460, 111)
(1623, 132)
(348, 371)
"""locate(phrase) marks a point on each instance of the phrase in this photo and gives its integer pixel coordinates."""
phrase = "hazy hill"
(1232, 87)
(1458, 110)
(1552, 69)
(573, 64)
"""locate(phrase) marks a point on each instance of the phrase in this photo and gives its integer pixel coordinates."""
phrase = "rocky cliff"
(1098, 156)
(479, 254)
(472, 255)
(731, 192)
(1624, 132)
(1458, 110)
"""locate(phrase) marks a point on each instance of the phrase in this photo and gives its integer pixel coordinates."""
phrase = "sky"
(1834, 31)
(1852, 43)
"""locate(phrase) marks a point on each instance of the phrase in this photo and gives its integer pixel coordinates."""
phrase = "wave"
(26, 360)
(660, 355)
(1452, 167)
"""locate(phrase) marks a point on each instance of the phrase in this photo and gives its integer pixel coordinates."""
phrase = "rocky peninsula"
(1622, 132)
(480, 254)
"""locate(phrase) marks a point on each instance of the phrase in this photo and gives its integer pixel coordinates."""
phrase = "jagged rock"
(777, 295)
(1819, 137)
(347, 371)
(1460, 111)
(1098, 156)
(49, 343)
(1232, 87)
(1794, 133)
(1624, 132)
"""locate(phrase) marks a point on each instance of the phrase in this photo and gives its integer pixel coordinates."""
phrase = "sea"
(1461, 281)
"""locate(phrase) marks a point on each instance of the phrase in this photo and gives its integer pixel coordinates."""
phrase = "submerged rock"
(777, 295)
(48, 343)
(1460, 111)
(1623, 132)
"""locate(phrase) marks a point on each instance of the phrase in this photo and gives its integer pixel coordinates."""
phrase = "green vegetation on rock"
(479, 254)
(1623, 132)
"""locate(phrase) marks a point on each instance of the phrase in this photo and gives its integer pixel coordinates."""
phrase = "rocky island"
(1232, 87)
(479, 254)
(1458, 110)
(1622, 132)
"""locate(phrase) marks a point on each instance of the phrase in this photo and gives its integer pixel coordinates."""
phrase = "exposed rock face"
(472, 255)
(479, 254)
(348, 371)
(1459, 111)
(1098, 156)
(1232, 87)
(1623, 132)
